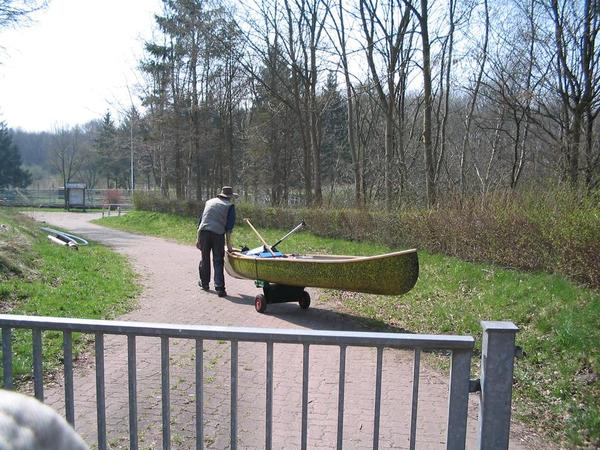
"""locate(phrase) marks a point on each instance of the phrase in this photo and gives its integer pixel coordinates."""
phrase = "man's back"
(214, 217)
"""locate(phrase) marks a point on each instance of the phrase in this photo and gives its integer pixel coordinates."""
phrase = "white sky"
(73, 62)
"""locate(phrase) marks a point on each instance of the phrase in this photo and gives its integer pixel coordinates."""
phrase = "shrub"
(113, 197)
(153, 201)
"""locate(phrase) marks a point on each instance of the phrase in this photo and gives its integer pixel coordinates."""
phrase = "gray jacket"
(214, 217)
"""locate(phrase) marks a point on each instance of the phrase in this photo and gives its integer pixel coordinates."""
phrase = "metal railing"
(117, 209)
(497, 360)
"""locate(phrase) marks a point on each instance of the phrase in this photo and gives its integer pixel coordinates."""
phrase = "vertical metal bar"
(166, 395)
(269, 399)
(305, 371)
(497, 363)
(234, 388)
(378, 374)
(7, 358)
(415, 399)
(132, 378)
(100, 394)
(38, 373)
(341, 388)
(458, 399)
(68, 373)
(199, 394)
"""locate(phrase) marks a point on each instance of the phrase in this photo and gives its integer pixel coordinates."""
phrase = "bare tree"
(90, 167)
(305, 23)
(278, 122)
(447, 54)
(428, 99)
(13, 12)
(578, 77)
(356, 150)
(473, 100)
(385, 31)
(66, 153)
(508, 84)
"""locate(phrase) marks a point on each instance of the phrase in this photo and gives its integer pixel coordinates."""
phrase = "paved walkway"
(168, 273)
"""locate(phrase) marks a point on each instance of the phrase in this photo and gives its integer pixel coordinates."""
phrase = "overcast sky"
(73, 62)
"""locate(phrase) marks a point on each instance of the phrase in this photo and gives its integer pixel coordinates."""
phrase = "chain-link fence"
(55, 198)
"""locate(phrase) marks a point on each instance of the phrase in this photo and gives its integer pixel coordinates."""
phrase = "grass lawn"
(557, 389)
(42, 279)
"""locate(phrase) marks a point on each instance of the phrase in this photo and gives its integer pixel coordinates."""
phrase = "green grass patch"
(557, 389)
(556, 384)
(43, 279)
(157, 224)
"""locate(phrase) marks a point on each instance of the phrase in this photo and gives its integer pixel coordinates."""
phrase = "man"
(214, 231)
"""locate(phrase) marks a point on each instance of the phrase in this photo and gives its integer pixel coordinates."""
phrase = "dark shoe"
(222, 293)
(203, 286)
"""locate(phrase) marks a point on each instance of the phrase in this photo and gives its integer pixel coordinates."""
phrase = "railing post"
(458, 399)
(497, 362)
(7, 361)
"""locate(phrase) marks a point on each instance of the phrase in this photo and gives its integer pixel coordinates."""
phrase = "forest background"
(360, 104)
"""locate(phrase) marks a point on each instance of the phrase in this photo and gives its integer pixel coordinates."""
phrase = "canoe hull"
(389, 274)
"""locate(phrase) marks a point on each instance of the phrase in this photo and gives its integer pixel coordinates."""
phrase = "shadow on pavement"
(317, 317)
(238, 300)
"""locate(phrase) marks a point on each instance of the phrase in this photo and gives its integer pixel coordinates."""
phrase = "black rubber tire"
(260, 303)
(304, 300)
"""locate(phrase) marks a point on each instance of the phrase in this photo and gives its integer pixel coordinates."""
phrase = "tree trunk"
(440, 159)
(389, 154)
(350, 123)
(473, 102)
(427, 145)
(587, 65)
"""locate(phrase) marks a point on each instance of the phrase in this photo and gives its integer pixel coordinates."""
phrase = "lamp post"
(131, 115)
(131, 148)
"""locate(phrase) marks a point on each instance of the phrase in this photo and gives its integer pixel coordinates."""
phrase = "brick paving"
(168, 274)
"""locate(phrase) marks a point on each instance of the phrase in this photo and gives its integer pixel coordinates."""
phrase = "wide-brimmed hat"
(227, 192)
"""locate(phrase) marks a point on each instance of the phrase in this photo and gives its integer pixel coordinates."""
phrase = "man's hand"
(198, 245)
(228, 241)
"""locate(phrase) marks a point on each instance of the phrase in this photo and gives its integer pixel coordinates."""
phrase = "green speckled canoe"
(390, 274)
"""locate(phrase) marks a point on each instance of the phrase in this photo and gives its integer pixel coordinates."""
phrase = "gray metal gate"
(498, 351)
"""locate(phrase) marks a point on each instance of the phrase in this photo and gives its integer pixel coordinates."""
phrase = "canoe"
(389, 274)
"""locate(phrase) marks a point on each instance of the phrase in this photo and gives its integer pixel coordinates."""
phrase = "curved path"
(168, 274)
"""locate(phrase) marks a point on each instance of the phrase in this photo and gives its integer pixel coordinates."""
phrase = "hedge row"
(556, 232)
(151, 201)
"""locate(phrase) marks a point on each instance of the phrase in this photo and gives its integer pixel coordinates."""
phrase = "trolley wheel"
(304, 300)
(260, 303)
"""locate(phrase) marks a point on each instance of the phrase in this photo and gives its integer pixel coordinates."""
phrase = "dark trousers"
(215, 243)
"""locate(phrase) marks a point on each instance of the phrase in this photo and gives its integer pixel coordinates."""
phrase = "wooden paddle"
(267, 246)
